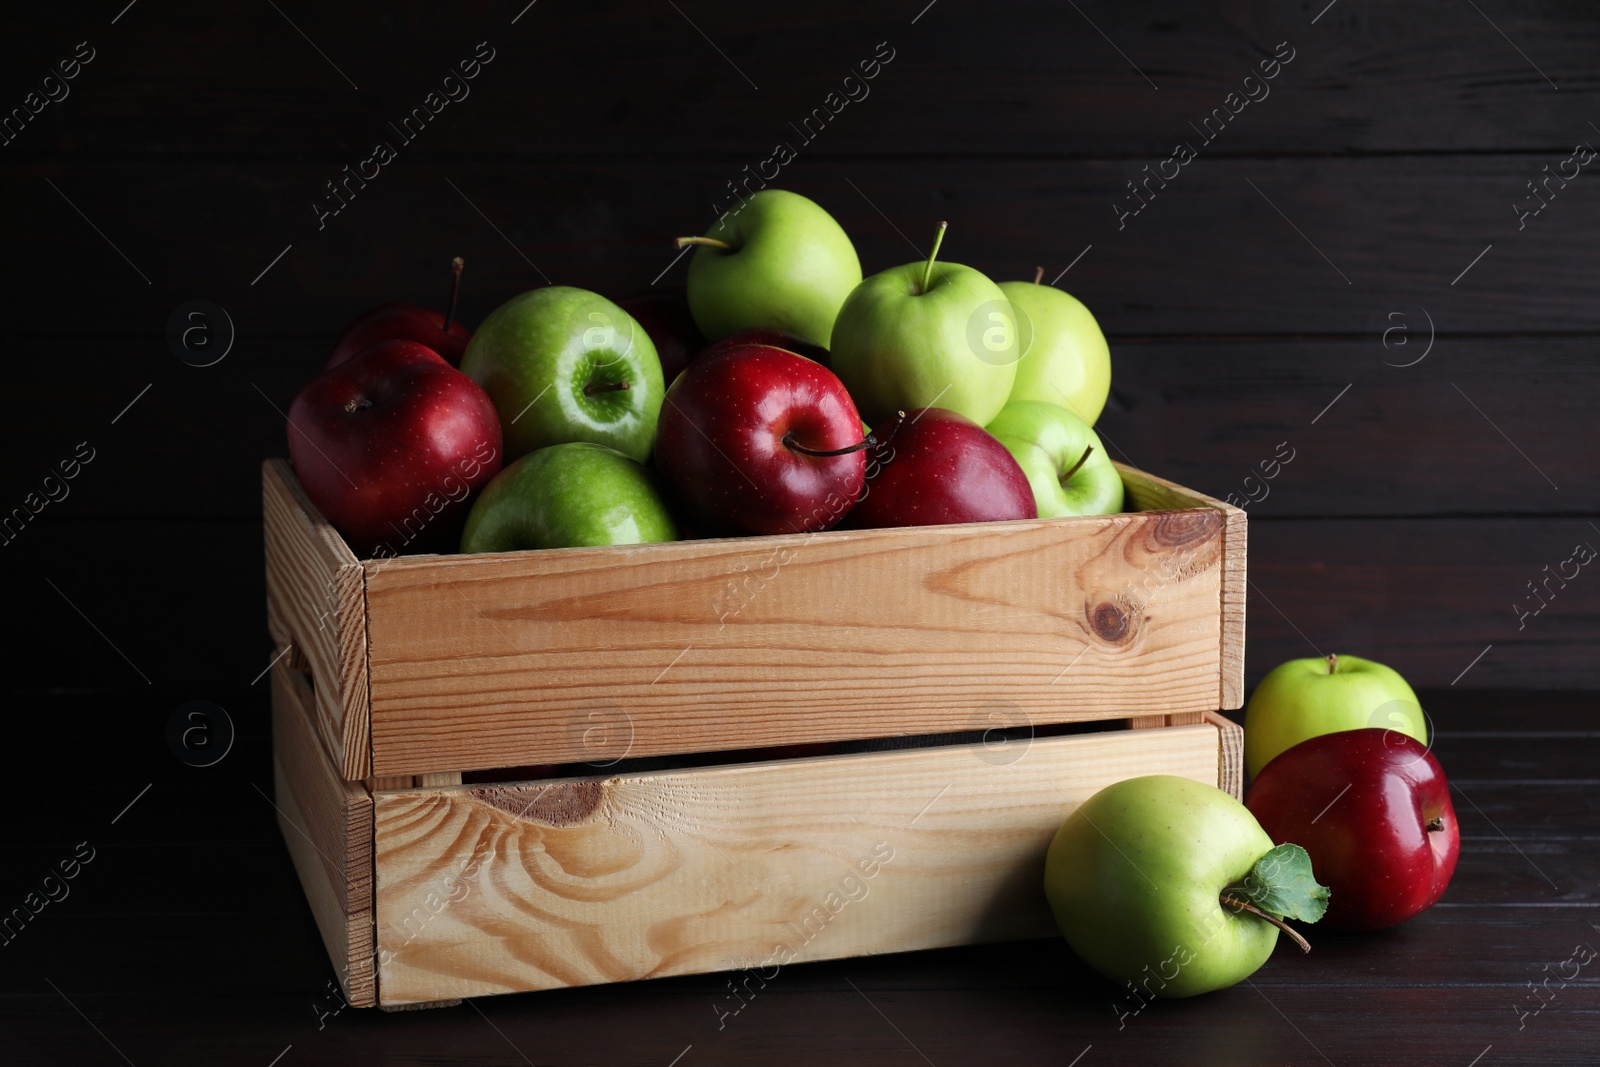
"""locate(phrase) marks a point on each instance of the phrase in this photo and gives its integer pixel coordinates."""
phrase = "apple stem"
(790, 443)
(927, 272)
(684, 242)
(604, 387)
(1333, 663)
(455, 290)
(1038, 275)
(1435, 825)
(1074, 470)
(1240, 905)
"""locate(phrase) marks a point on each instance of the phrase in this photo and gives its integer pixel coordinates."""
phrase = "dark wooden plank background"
(1310, 256)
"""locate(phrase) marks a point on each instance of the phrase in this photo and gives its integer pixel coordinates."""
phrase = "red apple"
(1373, 809)
(443, 333)
(391, 444)
(931, 466)
(761, 335)
(664, 314)
(401, 322)
(755, 439)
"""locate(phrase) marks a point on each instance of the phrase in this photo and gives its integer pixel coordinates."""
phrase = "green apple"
(1065, 359)
(778, 262)
(1138, 874)
(567, 496)
(1306, 698)
(564, 364)
(1067, 467)
(926, 335)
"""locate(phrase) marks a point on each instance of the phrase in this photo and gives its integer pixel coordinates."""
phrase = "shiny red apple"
(755, 439)
(930, 466)
(442, 332)
(761, 335)
(390, 446)
(1373, 809)
(664, 314)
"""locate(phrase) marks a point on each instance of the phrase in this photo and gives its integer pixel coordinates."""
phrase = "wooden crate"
(1106, 643)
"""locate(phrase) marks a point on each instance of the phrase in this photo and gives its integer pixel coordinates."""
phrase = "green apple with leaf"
(926, 334)
(1064, 356)
(1170, 886)
(568, 496)
(1305, 698)
(1067, 468)
(564, 364)
(780, 262)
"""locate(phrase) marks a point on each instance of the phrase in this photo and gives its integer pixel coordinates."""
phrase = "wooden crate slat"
(1154, 722)
(493, 889)
(517, 658)
(1234, 597)
(326, 822)
(316, 602)
(1230, 754)
(1146, 492)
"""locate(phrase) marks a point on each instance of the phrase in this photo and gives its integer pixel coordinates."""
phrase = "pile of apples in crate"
(785, 394)
(925, 394)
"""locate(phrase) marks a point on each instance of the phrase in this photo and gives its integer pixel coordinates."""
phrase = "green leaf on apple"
(1282, 884)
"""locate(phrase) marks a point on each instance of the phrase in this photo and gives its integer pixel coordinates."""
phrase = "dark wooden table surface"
(185, 940)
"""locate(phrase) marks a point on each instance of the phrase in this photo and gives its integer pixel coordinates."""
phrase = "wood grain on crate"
(1146, 492)
(1234, 597)
(316, 602)
(327, 825)
(1230, 754)
(583, 654)
(491, 889)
